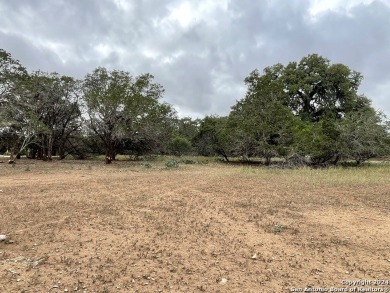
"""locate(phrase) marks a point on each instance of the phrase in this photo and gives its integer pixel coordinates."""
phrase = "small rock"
(3, 237)
(223, 281)
(254, 256)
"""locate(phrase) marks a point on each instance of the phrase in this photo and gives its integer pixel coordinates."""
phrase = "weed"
(278, 228)
(188, 162)
(147, 165)
(172, 164)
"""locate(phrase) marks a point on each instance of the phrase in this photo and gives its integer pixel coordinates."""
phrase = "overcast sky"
(200, 50)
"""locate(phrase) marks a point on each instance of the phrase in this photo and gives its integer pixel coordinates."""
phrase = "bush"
(172, 164)
(179, 145)
(147, 165)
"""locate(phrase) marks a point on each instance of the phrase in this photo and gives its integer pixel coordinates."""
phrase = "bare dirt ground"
(87, 227)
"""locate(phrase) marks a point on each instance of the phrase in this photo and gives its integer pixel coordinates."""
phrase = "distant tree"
(212, 137)
(121, 108)
(153, 134)
(317, 88)
(57, 110)
(318, 141)
(12, 73)
(39, 111)
(179, 145)
(364, 134)
(319, 94)
(43, 113)
(187, 127)
(260, 124)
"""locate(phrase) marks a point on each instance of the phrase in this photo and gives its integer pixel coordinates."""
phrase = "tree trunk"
(32, 152)
(109, 155)
(40, 153)
(11, 157)
(336, 160)
(61, 152)
(226, 158)
(49, 147)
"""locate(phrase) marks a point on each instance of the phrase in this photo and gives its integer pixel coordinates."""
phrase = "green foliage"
(187, 127)
(179, 145)
(124, 111)
(148, 165)
(172, 164)
(40, 110)
(304, 108)
(260, 124)
(317, 140)
(308, 109)
(317, 88)
(188, 162)
(364, 135)
(212, 138)
(11, 76)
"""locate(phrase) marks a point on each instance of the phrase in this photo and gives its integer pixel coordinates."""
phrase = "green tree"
(260, 124)
(317, 88)
(187, 127)
(153, 133)
(43, 113)
(319, 94)
(364, 134)
(212, 137)
(121, 108)
(318, 141)
(12, 73)
(179, 145)
(56, 111)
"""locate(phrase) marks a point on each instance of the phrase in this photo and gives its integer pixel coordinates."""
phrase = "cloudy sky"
(200, 50)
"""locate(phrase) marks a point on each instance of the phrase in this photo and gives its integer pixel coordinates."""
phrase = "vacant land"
(87, 227)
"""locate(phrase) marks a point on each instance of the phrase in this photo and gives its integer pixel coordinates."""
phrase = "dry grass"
(87, 227)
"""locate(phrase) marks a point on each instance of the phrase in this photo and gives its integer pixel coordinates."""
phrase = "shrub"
(172, 164)
(147, 165)
(179, 145)
(188, 162)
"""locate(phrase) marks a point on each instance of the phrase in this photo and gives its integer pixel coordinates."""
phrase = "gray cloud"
(201, 53)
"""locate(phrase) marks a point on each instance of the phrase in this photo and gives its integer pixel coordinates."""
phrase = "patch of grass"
(153, 158)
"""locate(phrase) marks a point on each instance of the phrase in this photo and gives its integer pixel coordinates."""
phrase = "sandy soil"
(86, 227)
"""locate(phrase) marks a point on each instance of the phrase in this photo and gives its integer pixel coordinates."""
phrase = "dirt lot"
(87, 227)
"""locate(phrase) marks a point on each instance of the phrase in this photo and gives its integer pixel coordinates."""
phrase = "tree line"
(307, 111)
